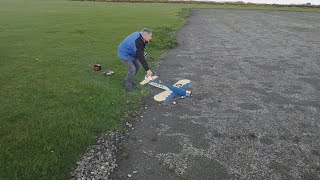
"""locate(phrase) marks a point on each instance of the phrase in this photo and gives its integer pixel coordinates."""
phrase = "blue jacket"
(132, 48)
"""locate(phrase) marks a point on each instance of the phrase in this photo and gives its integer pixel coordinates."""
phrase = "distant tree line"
(307, 5)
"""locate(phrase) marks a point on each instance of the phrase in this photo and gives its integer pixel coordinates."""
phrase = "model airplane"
(179, 88)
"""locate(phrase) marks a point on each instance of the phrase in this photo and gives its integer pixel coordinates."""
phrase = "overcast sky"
(314, 2)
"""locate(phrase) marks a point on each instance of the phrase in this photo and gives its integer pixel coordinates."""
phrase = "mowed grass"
(53, 105)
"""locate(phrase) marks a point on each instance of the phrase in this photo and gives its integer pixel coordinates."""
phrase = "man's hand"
(149, 73)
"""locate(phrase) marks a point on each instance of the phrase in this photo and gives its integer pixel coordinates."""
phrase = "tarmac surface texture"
(255, 109)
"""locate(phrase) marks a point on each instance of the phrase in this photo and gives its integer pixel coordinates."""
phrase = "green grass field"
(53, 105)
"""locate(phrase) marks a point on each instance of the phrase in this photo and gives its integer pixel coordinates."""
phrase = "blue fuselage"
(178, 90)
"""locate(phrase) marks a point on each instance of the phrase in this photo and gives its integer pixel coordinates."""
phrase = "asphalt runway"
(255, 110)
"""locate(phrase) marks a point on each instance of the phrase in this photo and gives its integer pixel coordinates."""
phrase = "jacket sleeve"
(140, 53)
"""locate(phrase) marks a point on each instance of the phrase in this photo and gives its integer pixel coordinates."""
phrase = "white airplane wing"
(182, 83)
(164, 95)
(147, 80)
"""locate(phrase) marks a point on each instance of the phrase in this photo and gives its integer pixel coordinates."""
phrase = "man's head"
(146, 34)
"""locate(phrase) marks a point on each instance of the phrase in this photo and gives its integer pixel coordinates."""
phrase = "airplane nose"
(188, 93)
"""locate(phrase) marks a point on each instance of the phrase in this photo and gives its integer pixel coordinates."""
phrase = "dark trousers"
(133, 68)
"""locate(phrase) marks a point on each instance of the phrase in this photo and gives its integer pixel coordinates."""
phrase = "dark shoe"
(129, 88)
(133, 83)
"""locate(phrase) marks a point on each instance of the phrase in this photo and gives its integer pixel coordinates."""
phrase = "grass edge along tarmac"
(52, 105)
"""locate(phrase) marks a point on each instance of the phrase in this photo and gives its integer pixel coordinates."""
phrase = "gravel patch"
(99, 160)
